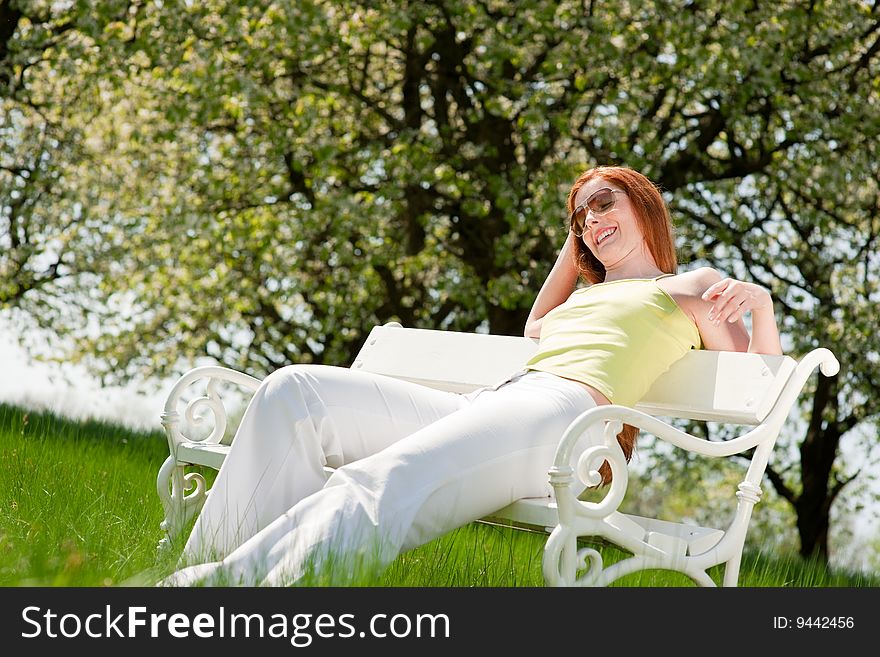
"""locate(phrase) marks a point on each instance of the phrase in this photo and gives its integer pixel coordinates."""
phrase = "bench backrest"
(719, 386)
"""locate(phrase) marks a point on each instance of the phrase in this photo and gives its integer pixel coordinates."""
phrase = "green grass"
(78, 507)
(78, 503)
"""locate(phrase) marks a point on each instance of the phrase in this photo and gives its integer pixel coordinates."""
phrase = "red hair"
(651, 214)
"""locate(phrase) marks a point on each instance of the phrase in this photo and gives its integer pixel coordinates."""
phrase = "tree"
(27, 173)
(304, 172)
(51, 202)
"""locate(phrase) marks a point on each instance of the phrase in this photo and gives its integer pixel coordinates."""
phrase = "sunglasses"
(600, 202)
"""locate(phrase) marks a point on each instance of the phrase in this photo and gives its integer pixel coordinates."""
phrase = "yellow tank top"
(617, 336)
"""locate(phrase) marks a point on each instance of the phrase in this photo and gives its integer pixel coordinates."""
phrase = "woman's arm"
(725, 302)
(556, 289)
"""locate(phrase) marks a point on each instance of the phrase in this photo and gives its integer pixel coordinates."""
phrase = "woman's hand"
(731, 299)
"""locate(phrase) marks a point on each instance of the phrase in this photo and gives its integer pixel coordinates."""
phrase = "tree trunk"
(506, 322)
(818, 452)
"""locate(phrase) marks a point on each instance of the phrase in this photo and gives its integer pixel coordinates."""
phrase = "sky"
(70, 391)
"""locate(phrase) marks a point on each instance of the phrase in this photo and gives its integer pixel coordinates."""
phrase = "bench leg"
(563, 560)
(748, 495)
(566, 565)
(182, 495)
(731, 571)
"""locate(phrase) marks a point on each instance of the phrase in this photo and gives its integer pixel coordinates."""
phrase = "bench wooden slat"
(719, 386)
(446, 360)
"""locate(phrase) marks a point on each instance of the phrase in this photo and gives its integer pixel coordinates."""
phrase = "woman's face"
(611, 230)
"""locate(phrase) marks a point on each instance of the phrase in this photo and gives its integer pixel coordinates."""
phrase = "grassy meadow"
(78, 507)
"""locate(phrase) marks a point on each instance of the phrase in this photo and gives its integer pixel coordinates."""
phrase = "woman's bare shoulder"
(692, 283)
(687, 289)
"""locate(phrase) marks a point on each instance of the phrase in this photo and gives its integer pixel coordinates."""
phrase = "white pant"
(412, 463)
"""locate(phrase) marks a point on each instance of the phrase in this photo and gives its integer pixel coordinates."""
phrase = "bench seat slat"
(208, 454)
(539, 513)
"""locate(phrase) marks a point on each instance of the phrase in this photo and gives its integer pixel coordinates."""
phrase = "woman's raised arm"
(556, 289)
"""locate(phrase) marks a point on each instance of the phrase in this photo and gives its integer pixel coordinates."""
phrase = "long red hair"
(656, 225)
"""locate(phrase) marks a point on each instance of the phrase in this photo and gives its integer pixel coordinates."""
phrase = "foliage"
(262, 182)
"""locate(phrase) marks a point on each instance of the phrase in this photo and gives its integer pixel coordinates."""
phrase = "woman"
(413, 463)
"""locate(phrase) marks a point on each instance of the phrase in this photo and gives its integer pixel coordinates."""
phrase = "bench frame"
(735, 388)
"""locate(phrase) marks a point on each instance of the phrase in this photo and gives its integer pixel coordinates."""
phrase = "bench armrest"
(211, 400)
(562, 474)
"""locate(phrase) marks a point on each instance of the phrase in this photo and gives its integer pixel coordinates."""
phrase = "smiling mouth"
(605, 234)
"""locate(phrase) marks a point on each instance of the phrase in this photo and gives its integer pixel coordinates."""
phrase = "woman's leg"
(302, 418)
(456, 470)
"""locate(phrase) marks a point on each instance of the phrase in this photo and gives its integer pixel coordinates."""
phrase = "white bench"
(753, 390)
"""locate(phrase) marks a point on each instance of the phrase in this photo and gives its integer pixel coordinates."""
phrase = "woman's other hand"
(731, 299)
